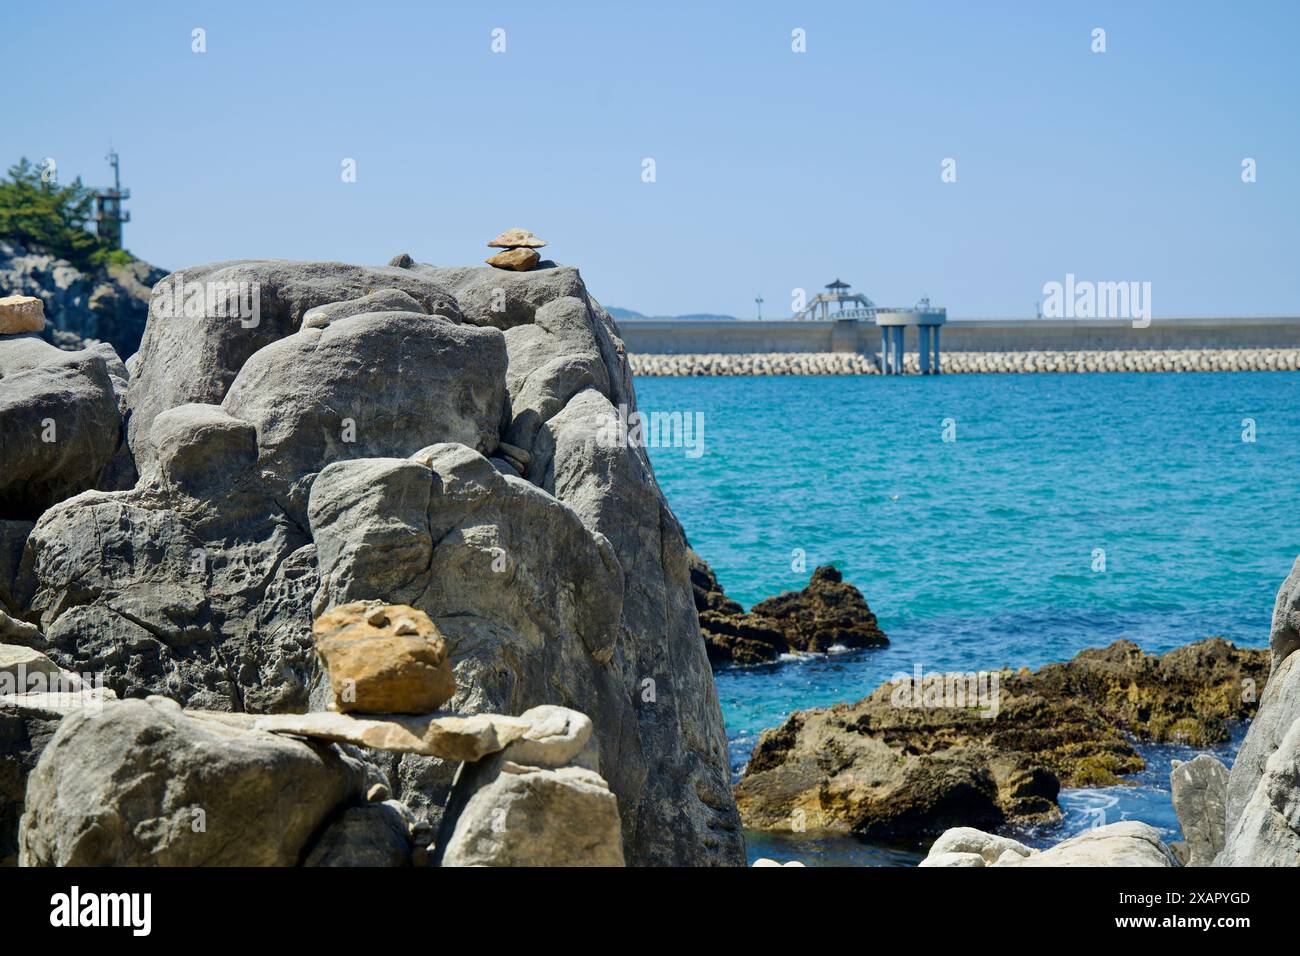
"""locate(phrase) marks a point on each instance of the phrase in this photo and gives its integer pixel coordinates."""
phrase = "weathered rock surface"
(385, 300)
(528, 816)
(504, 299)
(826, 614)
(350, 390)
(516, 238)
(539, 802)
(148, 786)
(520, 260)
(1199, 788)
(1127, 843)
(907, 761)
(21, 313)
(384, 659)
(195, 358)
(372, 834)
(1124, 844)
(1267, 830)
(59, 424)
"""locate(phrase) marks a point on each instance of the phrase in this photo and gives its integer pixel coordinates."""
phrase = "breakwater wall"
(740, 337)
(854, 363)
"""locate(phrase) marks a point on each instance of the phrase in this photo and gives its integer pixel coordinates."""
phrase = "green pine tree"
(40, 213)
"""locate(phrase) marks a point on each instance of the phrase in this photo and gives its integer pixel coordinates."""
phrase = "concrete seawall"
(956, 363)
(703, 337)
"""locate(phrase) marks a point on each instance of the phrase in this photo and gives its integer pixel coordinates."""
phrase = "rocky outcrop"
(827, 614)
(110, 304)
(1262, 817)
(1124, 844)
(980, 749)
(1199, 790)
(445, 455)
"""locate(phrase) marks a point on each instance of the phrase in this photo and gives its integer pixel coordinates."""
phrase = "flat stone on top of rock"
(431, 735)
(384, 659)
(517, 260)
(23, 313)
(515, 239)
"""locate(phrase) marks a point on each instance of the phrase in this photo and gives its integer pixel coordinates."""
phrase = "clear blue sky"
(775, 170)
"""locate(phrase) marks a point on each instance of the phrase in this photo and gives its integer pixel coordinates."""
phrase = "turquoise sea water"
(979, 552)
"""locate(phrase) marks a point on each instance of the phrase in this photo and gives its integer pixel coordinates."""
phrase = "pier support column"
(936, 350)
(899, 350)
(884, 350)
(923, 349)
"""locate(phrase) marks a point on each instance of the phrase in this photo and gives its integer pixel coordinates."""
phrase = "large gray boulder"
(59, 423)
(192, 354)
(142, 784)
(369, 385)
(539, 802)
(1199, 788)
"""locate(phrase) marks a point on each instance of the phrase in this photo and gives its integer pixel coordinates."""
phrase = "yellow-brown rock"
(21, 313)
(515, 239)
(520, 260)
(384, 659)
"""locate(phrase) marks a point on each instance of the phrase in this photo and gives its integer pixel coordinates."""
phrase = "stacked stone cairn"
(119, 782)
(520, 253)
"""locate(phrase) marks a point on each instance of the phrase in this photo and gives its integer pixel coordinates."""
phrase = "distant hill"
(617, 313)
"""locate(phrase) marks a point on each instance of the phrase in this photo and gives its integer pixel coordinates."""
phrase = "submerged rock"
(982, 749)
(826, 614)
